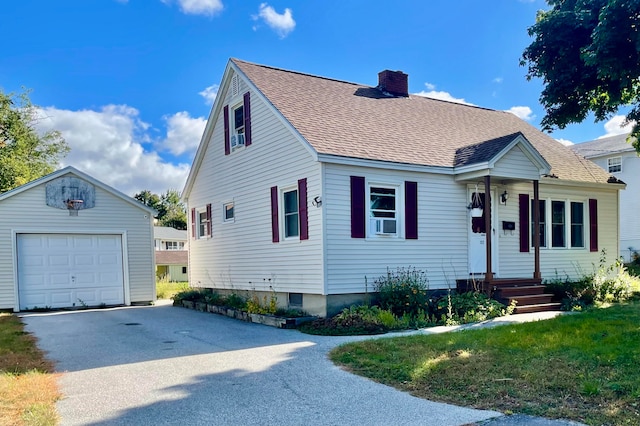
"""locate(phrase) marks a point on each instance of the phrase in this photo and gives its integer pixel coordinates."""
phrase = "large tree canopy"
(588, 54)
(171, 211)
(25, 154)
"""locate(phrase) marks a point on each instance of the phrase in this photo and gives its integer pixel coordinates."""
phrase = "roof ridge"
(299, 73)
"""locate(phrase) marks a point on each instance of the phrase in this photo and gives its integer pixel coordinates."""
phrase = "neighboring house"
(172, 253)
(312, 188)
(68, 240)
(618, 157)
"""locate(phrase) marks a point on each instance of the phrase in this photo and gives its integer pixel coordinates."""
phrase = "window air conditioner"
(383, 226)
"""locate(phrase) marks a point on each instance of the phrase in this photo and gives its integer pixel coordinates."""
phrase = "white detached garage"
(68, 240)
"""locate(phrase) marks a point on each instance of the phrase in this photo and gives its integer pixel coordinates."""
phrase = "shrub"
(404, 291)
(194, 295)
(469, 307)
(354, 320)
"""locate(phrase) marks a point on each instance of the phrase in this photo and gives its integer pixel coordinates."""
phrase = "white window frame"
(568, 225)
(372, 222)
(201, 227)
(614, 163)
(173, 245)
(283, 214)
(225, 209)
(236, 134)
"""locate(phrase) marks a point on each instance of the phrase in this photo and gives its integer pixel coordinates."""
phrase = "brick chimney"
(394, 82)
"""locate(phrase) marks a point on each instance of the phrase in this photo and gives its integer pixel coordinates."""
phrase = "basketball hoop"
(73, 206)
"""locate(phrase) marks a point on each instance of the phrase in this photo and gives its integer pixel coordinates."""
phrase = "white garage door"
(62, 271)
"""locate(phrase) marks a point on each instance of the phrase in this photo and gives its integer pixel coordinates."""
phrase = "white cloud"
(522, 112)
(445, 96)
(282, 24)
(210, 93)
(565, 142)
(108, 145)
(497, 80)
(430, 86)
(198, 7)
(617, 126)
(183, 133)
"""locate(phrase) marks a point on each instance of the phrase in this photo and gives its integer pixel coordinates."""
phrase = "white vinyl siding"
(26, 211)
(441, 247)
(555, 262)
(243, 256)
(516, 163)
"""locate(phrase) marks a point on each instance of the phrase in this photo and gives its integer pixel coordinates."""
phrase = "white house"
(618, 157)
(172, 253)
(68, 240)
(312, 187)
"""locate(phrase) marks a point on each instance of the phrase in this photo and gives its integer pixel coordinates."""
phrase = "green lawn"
(166, 289)
(584, 367)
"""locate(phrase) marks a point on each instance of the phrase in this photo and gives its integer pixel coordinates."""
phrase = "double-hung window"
(174, 245)
(558, 221)
(202, 224)
(237, 127)
(228, 212)
(383, 212)
(291, 214)
(542, 208)
(614, 164)
(577, 225)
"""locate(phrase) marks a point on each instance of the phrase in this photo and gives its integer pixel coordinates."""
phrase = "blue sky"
(130, 83)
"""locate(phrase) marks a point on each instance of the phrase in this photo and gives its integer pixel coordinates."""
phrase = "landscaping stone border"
(270, 320)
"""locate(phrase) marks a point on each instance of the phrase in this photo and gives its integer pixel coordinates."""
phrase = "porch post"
(536, 234)
(488, 276)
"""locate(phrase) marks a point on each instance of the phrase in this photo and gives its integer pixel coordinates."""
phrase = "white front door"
(478, 234)
(66, 270)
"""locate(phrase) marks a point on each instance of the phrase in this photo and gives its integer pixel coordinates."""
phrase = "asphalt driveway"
(164, 365)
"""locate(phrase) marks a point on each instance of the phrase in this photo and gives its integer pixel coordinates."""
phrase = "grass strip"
(28, 389)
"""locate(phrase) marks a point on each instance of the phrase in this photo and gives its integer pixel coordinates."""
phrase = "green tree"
(171, 211)
(25, 154)
(587, 53)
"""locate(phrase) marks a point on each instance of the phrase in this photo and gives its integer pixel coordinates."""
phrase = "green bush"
(404, 291)
(470, 307)
(193, 295)
(353, 320)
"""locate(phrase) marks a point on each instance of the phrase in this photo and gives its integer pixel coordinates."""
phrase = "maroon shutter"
(209, 219)
(357, 207)
(302, 209)
(275, 232)
(227, 145)
(593, 224)
(247, 119)
(193, 223)
(411, 210)
(524, 222)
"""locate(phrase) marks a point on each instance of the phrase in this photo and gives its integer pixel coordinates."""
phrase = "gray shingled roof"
(169, 234)
(352, 120)
(604, 146)
(172, 257)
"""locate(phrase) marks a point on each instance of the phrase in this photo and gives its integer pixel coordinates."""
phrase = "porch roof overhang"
(475, 161)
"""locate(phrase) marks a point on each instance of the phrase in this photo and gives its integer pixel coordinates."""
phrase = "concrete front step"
(505, 292)
(542, 307)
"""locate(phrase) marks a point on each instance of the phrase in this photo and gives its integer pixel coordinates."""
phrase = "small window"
(228, 213)
(237, 137)
(291, 214)
(382, 210)
(202, 224)
(171, 245)
(295, 300)
(184, 269)
(615, 164)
